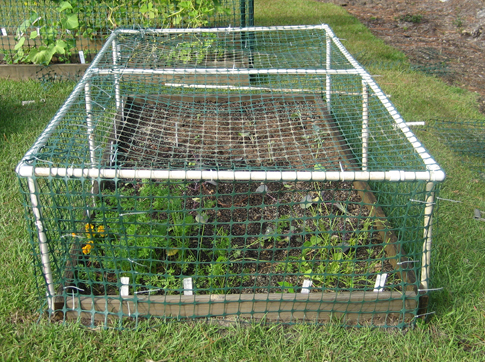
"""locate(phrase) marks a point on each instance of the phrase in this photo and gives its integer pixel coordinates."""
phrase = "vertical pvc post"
(328, 79)
(365, 124)
(43, 243)
(119, 103)
(114, 45)
(428, 225)
(89, 122)
(90, 126)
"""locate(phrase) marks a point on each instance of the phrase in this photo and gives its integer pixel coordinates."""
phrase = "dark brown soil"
(431, 32)
(266, 133)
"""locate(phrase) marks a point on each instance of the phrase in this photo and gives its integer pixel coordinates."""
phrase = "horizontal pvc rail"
(229, 175)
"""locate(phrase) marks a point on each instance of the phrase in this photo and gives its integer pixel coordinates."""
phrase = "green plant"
(458, 22)
(411, 18)
(81, 18)
(288, 287)
(144, 230)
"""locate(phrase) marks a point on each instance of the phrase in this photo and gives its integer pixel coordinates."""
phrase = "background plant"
(89, 18)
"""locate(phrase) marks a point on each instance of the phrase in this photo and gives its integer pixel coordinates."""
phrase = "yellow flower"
(87, 248)
(101, 231)
(89, 230)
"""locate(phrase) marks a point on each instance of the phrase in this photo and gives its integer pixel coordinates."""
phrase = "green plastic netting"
(230, 173)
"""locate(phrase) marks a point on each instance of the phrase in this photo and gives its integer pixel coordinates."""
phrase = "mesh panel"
(227, 173)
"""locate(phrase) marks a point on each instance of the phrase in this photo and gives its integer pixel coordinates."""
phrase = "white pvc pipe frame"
(432, 174)
(433, 171)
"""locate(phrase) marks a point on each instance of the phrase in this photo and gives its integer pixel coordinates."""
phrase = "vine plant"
(83, 19)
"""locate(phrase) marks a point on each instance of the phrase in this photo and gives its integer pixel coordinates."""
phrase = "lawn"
(455, 332)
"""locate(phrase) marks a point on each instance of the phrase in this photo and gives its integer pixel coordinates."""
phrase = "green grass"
(456, 332)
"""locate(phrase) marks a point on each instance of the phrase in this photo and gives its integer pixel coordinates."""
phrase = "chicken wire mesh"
(230, 173)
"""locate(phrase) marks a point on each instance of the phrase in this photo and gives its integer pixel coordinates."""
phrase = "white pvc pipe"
(89, 122)
(114, 45)
(428, 225)
(218, 30)
(220, 71)
(328, 79)
(43, 243)
(365, 124)
(230, 175)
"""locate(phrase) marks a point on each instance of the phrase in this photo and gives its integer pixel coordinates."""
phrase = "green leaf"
(70, 22)
(287, 286)
(20, 43)
(63, 6)
(59, 47)
(38, 56)
(319, 167)
(34, 34)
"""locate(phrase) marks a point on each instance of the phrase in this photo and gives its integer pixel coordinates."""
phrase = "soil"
(431, 32)
(269, 133)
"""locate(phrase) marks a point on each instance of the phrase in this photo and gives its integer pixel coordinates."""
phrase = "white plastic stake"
(380, 282)
(4, 32)
(81, 57)
(125, 287)
(305, 289)
(188, 286)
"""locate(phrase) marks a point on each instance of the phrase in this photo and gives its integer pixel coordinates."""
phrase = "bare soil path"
(450, 32)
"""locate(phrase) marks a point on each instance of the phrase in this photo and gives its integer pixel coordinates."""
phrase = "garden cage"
(237, 173)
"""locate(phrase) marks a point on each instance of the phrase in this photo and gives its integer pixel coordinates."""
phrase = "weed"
(411, 18)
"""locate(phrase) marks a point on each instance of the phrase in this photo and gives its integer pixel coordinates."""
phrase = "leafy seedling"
(201, 218)
(287, 286)
(319, 168)
(306, 202)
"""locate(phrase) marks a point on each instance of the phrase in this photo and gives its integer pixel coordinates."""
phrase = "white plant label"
(188, 286)
(125, 286)
(4, 32)
(81, 57)
(24, 103)
(305, 289)
(380, 282)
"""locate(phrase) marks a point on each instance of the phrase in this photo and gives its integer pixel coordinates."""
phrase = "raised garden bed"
(246, 241)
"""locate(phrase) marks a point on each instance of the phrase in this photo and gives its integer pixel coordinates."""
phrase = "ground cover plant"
(455, 332)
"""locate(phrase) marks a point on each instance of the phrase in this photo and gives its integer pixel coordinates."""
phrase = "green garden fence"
(238, 174)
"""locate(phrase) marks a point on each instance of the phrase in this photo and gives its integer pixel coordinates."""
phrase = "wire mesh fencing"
(255, 173)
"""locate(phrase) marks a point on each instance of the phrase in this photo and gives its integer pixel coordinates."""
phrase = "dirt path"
(431, 32)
